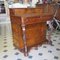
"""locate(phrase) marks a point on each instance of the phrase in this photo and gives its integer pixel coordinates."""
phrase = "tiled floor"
(44, 52)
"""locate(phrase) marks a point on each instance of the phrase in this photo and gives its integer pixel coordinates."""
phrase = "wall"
(4, 18)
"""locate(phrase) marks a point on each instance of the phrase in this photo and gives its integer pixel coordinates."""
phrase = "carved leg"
(25, 52)
(24, 38)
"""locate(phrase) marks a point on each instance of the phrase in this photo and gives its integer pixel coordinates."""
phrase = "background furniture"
(58, 12)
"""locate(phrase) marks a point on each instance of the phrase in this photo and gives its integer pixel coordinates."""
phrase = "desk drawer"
(37, 19)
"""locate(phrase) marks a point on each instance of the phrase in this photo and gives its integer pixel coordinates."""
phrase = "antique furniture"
(29, 26)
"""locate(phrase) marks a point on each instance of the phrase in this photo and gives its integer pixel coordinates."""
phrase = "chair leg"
(49, 36)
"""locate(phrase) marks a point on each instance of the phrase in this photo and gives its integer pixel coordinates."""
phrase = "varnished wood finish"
(58, 14)
(29, 27)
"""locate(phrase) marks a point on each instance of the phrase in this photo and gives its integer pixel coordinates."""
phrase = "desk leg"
(24, 38)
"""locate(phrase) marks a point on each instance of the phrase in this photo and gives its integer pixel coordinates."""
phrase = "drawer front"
(28, 11)
(37, 19)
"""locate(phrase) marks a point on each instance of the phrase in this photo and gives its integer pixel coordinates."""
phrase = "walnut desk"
(28, 27)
